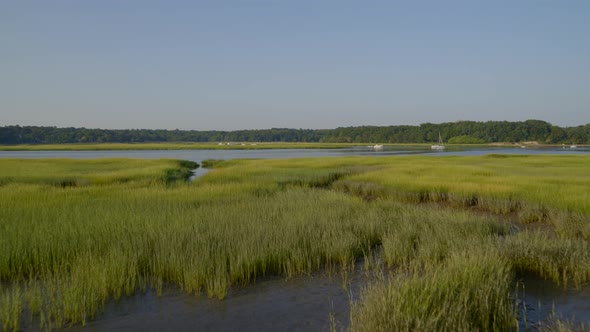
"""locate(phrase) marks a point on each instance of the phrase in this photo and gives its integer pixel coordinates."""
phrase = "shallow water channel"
(306, 303)
(275, 304)
(543, 298)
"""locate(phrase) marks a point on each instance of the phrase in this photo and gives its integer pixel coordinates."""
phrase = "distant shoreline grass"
(104, 171)
(126, 225)
(173, 146)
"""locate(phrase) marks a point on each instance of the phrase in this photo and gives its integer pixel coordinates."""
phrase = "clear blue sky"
(229, 65)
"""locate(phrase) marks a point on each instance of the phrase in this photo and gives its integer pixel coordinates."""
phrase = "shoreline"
(249, 146)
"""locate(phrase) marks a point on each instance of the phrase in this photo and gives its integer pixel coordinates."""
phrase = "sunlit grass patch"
(470, 291)
(538, 188)
(73, 173)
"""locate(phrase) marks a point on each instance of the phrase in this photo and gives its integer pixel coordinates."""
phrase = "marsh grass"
(468, 292)
(561, 260)
(73, 173)
(130, 225)
(83, 245)
(538, 189)
(557, 324)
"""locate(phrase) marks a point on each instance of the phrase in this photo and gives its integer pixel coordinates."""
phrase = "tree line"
(453, 132)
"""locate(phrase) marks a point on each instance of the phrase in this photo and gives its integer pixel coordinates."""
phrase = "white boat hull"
(439, 145)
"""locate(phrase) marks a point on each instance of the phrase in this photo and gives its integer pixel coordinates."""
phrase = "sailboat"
(439, 145)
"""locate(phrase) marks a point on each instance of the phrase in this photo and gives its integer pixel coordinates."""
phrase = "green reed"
(469, 291)
(550, 189)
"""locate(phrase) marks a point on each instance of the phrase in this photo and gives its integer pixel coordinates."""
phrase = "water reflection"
(302, 304)
(299, 304)
(543, 298)
(200, 155)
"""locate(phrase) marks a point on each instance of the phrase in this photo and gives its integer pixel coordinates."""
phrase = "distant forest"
(465, 132)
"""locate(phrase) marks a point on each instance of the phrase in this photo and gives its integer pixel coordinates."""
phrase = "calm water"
(275, 304)
(542, 298)
(300, 304)
(200, 155)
